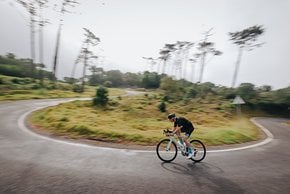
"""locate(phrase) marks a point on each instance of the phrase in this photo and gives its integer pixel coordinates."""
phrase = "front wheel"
(199, 150)
(166, 150)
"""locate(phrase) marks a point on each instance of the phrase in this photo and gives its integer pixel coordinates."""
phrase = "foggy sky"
(131, 29)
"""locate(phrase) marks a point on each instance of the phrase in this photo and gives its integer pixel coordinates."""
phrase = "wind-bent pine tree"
(151, 62)
(193, 62)
(63, 10)
(41, 23)
(179, 57)
(205, 48)
(29, 5)
(245, 39)
(186, 53)
(86, 54)
(165, 53)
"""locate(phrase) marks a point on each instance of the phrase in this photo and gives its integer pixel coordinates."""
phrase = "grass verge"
(137, 120)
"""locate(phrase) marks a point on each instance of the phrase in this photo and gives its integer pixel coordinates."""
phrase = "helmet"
(171, 116)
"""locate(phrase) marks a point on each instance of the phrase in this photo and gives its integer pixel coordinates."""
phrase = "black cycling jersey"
(186, 124)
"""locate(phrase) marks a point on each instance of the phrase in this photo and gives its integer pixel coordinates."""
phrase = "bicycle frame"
(180, 147)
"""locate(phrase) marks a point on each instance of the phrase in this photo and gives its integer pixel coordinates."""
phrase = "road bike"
(167, 148)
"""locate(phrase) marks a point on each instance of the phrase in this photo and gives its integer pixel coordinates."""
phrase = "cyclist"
(182, 125)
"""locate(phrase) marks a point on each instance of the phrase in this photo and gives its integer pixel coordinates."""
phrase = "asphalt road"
(30, 163)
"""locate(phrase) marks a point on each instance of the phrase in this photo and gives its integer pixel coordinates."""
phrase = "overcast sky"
(131, 29)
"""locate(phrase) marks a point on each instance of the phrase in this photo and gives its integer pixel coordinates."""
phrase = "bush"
(165, 98)
(162, 107)
(191, 93)
(17, 81)
(108, 84)
(77, 88)
(101, 98)
(35, 86)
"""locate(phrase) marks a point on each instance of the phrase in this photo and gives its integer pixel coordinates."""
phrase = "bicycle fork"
(168, 145)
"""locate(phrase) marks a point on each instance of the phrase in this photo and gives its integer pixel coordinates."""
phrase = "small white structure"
(238, 101)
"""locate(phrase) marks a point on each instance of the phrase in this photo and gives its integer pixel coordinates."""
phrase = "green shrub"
(101, 98)
(77, 88)
(162, 107)
(17, 81)
(35, 86)
(165, 98)
(191, 93)
(108, 84)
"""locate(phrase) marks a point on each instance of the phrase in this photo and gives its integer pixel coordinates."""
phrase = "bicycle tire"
(200, 150)
(171, 153)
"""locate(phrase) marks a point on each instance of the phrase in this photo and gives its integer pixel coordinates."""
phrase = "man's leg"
(186, 141)
(189, 146)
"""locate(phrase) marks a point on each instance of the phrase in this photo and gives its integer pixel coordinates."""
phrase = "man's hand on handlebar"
(167, 132)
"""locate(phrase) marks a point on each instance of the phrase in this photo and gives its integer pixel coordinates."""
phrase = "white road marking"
(22, 126)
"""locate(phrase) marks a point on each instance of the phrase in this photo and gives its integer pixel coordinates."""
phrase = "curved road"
(33, 164)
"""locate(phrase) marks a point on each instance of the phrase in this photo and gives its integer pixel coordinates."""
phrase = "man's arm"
(176, 130)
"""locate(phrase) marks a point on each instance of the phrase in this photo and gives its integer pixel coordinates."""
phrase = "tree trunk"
(237, 67)
(41, 47)
(85, 67)
(32, 45)
(158, 67)
(163, 67)
(202, 63)
(192, 72)
(56, 52)
(185, 61)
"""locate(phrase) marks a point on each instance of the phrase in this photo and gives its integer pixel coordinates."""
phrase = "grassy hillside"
(137, 120)
(14, 88)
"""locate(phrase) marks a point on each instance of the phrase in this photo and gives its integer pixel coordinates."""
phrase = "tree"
(151, 62)
(151, 80)
(245, 39)
(265, 88)
(131, 79)
(10, 55)
(205, 48)
(41, 23)
(182, 49)
(168, 84)
(97, 76)
(63, 10)
(29, 5)
(193, 62)
(86, 54)
(246, 91)
(165, 55)
(115, 76)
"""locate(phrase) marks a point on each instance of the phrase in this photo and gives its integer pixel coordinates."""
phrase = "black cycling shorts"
(188, 131)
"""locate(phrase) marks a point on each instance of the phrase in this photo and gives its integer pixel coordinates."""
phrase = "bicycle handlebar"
(167, 132)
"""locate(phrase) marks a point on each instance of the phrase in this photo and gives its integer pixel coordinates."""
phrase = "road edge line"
(22, 126)
(269, 138)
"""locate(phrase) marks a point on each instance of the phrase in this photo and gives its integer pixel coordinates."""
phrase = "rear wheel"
(199, 150)
(166, 150)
